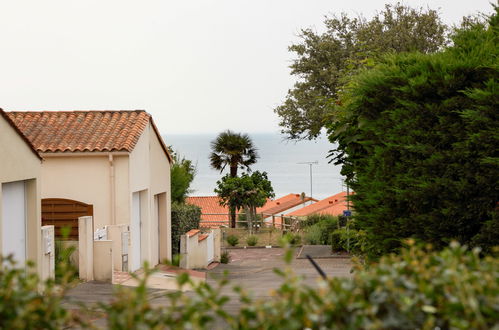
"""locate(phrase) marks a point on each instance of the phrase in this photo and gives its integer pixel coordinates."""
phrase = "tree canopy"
(234, 150)
(246, 191)
(418, 140)
(325, 61)
(182, 174)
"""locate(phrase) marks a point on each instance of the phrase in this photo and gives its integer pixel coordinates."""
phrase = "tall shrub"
(184, 218)
(418, 139)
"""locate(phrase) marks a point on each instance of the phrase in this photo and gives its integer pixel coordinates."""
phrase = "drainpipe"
(112, 189)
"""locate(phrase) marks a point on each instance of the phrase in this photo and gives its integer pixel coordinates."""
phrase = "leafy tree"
(182, 174)
(247, 191)
(233, 150)
(418, 143)
(325, 61)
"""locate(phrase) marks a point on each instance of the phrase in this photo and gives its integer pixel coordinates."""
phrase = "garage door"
(14, 220)
(136, 233)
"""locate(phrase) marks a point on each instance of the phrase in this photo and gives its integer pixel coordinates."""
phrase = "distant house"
(212, 213)
(20, 171)
(112, 165)
(215, 215)
(333, 205)
(286, 204)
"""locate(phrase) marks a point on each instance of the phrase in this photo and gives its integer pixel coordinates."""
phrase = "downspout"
(112, 189)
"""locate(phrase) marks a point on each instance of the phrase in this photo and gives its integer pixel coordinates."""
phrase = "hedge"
(184, 218)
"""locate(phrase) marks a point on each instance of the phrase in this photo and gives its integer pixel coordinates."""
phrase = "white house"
(20, 208)
(112, 165)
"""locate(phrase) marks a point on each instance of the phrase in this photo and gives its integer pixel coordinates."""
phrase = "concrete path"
(319, 252)
(253, 269)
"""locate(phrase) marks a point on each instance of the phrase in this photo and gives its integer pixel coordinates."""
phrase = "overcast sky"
(196, 66)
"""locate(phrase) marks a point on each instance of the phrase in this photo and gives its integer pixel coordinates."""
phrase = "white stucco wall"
(19, 163)
(150, 174)
(83, 178)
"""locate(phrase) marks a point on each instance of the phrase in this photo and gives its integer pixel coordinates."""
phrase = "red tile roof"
(18, 131)
(212, 213)
(280, 205)
(83, 131)
(333, 205)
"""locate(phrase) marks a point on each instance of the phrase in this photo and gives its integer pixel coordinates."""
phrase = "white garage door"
(135, 233)
(14, 220)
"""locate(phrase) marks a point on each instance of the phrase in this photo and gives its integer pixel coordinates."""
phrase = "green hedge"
(184, 218)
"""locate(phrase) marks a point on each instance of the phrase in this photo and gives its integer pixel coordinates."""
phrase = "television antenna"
(310, 164)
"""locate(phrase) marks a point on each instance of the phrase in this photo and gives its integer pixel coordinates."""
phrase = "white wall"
(84, 179)
(19, 163)
(150, 174)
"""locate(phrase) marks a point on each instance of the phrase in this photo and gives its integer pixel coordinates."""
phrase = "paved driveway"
(253, 269)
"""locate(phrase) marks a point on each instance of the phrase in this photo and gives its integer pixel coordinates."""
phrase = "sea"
(291, 166)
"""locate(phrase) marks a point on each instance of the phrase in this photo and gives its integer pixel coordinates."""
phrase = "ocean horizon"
(281, 159)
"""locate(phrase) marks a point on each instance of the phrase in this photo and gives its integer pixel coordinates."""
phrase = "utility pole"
(310, 164)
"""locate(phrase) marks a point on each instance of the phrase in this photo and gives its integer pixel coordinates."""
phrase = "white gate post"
(86, 248)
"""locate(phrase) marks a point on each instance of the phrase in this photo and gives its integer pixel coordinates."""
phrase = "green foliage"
(246, 191)
(63, 260)
(252, 240)
(292, 239)
(324, 62)
(233, 150)
(349, 239)
(26, 302)
(313, 235)
(318, 229)
(418, 289)
(184, 218)
(418, 144)
(182, 174)
(131, 307)
(232, 240)
(225, 257)
(316, 218)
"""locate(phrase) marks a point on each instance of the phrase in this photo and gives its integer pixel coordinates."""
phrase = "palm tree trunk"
(233, 173)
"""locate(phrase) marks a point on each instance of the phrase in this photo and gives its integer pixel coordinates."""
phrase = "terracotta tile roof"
(333, 205)
(212, 213)
(280, 205)
(83, 131)
(192, 232)
(13, 125)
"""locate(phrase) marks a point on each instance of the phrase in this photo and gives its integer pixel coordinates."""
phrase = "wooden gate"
(64, 213)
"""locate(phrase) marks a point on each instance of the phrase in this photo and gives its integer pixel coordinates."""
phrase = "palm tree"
(233, 150)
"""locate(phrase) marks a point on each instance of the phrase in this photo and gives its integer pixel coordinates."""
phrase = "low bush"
(251, 240)
(232, 240)
(184, 218)
(349, 239)
(291, 239)
(313, 235)
(319, 218)
(225, 257)
(418, 289)
(26, 302)
(319, 229)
